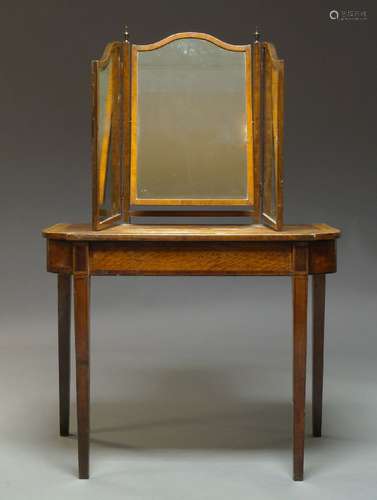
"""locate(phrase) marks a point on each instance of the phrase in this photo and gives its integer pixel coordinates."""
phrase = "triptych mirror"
(187, 125)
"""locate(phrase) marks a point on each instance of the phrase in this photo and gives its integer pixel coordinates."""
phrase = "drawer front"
(190, 258)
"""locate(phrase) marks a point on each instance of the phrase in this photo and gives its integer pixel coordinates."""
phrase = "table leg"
(82, 295)
(64, 349)
(318, 298)
(300, 293)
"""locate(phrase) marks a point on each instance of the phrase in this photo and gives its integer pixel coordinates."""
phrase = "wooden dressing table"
(123, 187)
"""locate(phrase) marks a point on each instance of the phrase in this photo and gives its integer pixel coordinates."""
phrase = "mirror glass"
(107, 164)
(104, 109)
(192, 129)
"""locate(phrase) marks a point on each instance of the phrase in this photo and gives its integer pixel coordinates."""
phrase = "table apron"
(191, 258)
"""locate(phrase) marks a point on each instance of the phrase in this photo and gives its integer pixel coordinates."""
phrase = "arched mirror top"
(192, 34)
(108, 54)
(272, 54)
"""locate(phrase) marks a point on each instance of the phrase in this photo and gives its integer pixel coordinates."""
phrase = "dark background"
(330, 176)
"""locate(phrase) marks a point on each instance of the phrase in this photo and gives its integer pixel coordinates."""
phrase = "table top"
(135, 232)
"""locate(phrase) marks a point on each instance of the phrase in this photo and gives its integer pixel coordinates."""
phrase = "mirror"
(191, 124)
(108, 186)
(273, 118)
(105, 105)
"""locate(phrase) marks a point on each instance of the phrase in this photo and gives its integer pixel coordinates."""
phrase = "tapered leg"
(318, 298)
(64, 347)
(82, 292)
(300, 295)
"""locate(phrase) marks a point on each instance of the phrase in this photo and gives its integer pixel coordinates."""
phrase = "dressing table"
(188, 128)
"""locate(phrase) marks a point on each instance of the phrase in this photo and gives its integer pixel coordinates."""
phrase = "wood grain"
(256, 112)
(166, 256)
(129, 232)
(322, 257)
(94, 141)
(64, 349)
(189, 213)
(300, 296)
(82, 318)
(190, 258)
(192, 34)
(59, 256)
(126, 129)
(318, 311)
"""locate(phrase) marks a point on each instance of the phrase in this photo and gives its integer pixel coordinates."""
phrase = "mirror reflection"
(108, 159)
(105, 94)
(192, 126)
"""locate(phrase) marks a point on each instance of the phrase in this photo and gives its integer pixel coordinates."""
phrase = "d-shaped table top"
(134, 232)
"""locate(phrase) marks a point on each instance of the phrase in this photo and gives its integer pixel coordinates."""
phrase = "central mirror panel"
(191, 127)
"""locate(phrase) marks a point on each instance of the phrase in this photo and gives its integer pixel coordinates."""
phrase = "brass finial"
(256, 35)
(126, 34)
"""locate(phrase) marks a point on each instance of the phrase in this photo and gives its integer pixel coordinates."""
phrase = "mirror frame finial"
(126, 34)
(257, 35)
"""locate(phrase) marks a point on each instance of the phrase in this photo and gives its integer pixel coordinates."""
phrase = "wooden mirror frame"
(243, 203)
(112, 53)
(258, 54)
(273, 139)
